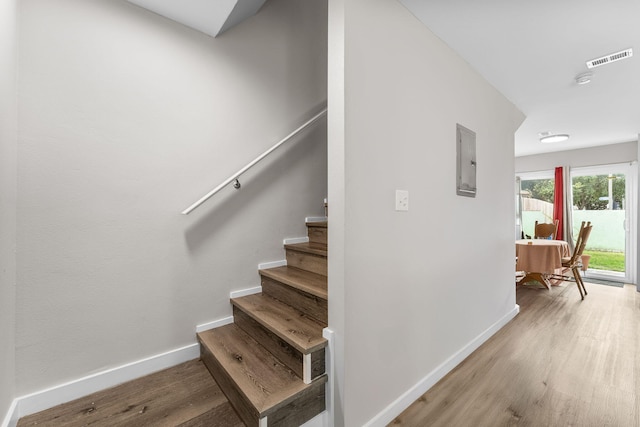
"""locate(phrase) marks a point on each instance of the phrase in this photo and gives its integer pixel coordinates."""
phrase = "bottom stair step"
(263, 391)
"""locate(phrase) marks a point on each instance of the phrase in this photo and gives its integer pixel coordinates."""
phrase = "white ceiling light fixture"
(548, 137)
(584, 78)
(610, 58)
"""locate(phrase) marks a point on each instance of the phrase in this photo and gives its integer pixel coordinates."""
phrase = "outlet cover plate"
(402, 200)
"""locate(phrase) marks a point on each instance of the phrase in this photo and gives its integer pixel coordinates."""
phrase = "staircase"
(270, 362)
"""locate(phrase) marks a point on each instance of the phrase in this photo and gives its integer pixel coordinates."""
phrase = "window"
(536, 192)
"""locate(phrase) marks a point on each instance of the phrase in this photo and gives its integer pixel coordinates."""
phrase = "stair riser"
(305, 261)
(317, 234)
(310, 304)
(318, 363)
(301, 410)
(237, 400)
(287, 354)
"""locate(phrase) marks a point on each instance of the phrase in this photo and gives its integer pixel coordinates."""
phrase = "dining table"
(540, 258)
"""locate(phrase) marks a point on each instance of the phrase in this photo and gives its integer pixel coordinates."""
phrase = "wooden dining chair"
(545, 230)
(574, 262)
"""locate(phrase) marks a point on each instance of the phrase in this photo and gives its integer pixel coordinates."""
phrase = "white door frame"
(630, 170)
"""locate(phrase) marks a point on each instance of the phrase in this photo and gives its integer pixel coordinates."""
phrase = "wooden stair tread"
(261, 378)
(308, 247)
(312, 283)
(291, 325)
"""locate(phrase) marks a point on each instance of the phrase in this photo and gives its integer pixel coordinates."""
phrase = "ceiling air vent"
(608, 59)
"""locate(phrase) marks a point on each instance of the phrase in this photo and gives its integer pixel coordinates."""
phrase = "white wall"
(8, 139)
(606, 154)
(126, 118)
(421, 285)
(336, 181)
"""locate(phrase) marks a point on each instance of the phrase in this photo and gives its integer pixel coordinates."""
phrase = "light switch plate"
(402, 200)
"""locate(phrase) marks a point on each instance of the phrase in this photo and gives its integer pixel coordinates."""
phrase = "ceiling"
(209, 17)
(532, 51)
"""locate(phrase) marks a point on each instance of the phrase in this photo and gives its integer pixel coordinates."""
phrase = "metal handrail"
(235, 176)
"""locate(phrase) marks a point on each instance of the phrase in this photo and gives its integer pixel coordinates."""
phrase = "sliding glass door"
(604, 195)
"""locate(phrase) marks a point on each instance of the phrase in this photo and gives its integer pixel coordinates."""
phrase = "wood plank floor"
(560, 362)
(185, 395)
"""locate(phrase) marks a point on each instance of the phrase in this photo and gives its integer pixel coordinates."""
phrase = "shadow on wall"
(250, 55)
(257, 185)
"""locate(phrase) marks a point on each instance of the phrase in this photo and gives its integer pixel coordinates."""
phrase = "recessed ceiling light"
(548, 137)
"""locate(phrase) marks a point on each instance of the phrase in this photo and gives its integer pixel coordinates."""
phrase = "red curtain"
(558, 198)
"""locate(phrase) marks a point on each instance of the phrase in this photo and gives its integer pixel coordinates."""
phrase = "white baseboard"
(12, 417)
(53, 396)
(245, 292)
(315, 219)
(214, 324)
(388, 414)
(48, 398)
(227, 320)
(294, 240)
(272, 264)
